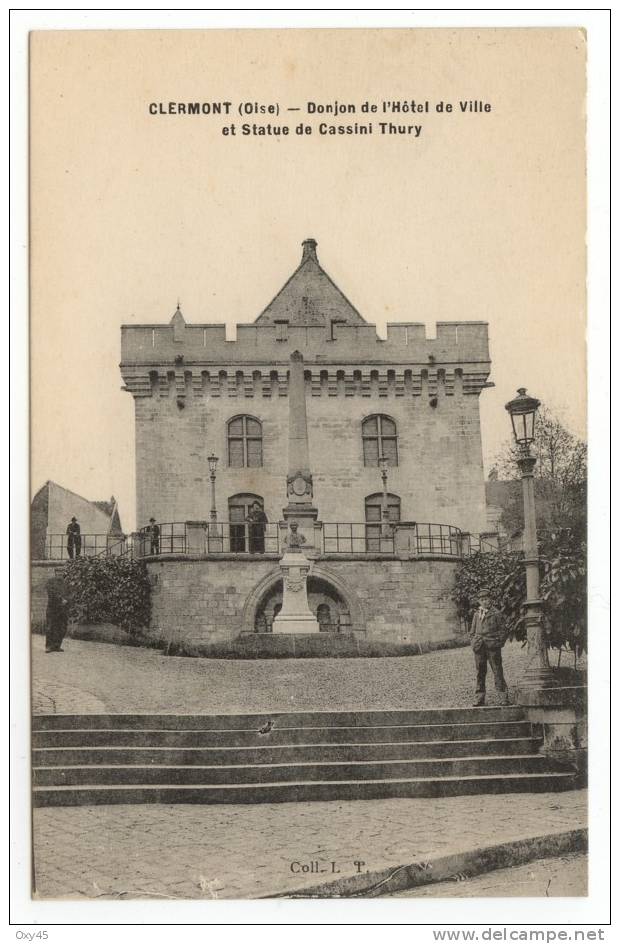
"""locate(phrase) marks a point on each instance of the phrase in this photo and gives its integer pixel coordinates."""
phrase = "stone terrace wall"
(203, 601)
(40, 573)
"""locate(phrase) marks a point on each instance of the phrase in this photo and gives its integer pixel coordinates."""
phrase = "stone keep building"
(384, 549)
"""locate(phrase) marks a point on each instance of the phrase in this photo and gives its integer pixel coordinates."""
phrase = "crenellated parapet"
(255, 381)
(182, 360)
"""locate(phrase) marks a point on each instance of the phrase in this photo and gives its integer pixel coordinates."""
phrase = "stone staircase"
(315, 755)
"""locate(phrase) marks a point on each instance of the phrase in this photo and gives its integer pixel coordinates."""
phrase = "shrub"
(563, 590)
(109, 590)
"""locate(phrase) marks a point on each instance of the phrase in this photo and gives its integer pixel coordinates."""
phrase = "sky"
(480, 217)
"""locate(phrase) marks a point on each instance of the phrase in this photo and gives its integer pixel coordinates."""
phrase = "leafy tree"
(560, 479)
(109, 590)
(563, 590)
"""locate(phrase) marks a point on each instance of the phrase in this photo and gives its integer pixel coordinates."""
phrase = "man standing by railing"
(257, 521)
(152, 532)
(74, 538)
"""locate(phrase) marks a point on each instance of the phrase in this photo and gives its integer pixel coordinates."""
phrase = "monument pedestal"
(295, 615)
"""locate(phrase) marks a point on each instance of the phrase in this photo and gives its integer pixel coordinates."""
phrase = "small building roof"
(310, 297)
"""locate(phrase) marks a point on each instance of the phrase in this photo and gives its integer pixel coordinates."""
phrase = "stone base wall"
(203, 601)
(206, 601)
(40, 573)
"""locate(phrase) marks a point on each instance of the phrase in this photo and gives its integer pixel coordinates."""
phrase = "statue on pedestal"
(295, 615)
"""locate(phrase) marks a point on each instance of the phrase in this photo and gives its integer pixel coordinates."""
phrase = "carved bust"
(294, 540)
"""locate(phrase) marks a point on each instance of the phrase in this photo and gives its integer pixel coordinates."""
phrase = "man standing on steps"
(488, 635)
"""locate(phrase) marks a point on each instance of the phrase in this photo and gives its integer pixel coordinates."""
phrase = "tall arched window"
(245, 442)
(379, 439)
(373, 508)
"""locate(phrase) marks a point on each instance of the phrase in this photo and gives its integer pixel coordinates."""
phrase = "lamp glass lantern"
(523, 417)
(213, 461)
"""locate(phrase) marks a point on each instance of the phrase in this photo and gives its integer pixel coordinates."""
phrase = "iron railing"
(410, 537)
(89, 545)
(476, 544)
(229, 537)
(225, 537)
(443, 540)
(243, 537)
(359, 537)
(172, 539)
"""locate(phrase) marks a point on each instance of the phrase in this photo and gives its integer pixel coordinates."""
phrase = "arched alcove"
(325, 591)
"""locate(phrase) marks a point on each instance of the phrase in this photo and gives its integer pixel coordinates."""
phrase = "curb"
(455, 867)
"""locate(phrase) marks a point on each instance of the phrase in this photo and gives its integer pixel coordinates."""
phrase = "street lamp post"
(538, 673)
(385, 516)
(212, 460)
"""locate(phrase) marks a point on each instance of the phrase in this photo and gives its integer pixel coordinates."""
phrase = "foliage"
(563, 590)
(560, 479)
(504, 575)
(109, 590)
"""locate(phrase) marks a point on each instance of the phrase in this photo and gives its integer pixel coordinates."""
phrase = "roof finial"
(309, 250)
(178, 304)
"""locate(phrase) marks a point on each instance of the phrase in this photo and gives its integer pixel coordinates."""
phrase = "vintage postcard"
(308, 482)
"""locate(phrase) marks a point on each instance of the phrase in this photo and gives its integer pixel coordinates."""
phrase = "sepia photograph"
(309, 463)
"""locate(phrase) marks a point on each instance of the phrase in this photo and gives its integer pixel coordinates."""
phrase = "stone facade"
(204, 602)
(40, 572)
(195, 392)
(188, 382)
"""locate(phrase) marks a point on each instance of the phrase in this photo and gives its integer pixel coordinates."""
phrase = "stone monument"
(295, 615)
(299, 489)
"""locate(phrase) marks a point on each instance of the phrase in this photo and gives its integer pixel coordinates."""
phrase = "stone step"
(303, 791)
(288, 719)
(117, 737)
(300, 772)
(267, 754)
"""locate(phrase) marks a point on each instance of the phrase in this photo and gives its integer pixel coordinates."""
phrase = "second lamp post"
(212, 460)
(538, 673)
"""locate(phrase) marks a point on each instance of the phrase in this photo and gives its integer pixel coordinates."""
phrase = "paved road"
(95, 677)
(249, 851)
(565, 877)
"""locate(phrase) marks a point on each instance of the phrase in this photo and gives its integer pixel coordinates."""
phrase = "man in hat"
(57, 613)
(257, 520)
(488, 635)
(153, 532)
(74, 538)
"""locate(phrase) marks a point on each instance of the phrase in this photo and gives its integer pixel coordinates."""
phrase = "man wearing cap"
(74, 538)
(488, 635)
(153, 532)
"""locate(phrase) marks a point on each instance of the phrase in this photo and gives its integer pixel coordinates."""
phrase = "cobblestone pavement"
(94, 677)
(248, 851)
(565, 877)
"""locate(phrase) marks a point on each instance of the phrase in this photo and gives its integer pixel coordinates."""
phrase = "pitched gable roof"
(310, 297)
